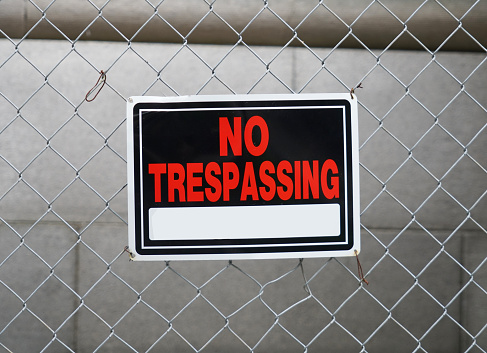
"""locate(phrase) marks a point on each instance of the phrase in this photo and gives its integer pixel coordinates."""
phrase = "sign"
(243, 177)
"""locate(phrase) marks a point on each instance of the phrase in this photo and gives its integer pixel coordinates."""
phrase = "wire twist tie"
(100, 83)
(360, 271)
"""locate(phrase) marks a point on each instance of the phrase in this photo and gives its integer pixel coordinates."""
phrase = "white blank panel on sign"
(244, 222)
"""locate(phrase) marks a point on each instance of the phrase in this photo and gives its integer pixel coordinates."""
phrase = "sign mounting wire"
(360, 271)
(352, 91)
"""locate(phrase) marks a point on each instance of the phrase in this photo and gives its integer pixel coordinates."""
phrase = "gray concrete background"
(415, 269)
(276, 24)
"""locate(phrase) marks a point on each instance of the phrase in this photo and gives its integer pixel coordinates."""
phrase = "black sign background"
(188, 132)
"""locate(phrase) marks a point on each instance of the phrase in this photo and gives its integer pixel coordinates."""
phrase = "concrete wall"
(277, 23)
(423, 185)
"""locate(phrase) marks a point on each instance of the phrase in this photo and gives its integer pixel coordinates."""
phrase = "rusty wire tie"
(352, 91)
(360, 271)
(131, 254)
(100, 83)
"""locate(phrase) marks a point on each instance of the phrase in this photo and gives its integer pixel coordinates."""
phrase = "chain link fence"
(66, 283)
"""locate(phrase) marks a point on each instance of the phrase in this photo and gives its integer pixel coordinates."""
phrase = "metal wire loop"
(100, 83)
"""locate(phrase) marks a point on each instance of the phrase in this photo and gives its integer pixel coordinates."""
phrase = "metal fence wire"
(66, 283)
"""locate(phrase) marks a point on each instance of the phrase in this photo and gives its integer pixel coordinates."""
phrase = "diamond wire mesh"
(65, 281)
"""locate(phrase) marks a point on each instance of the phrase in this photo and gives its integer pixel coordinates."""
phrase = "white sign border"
(132, 101)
